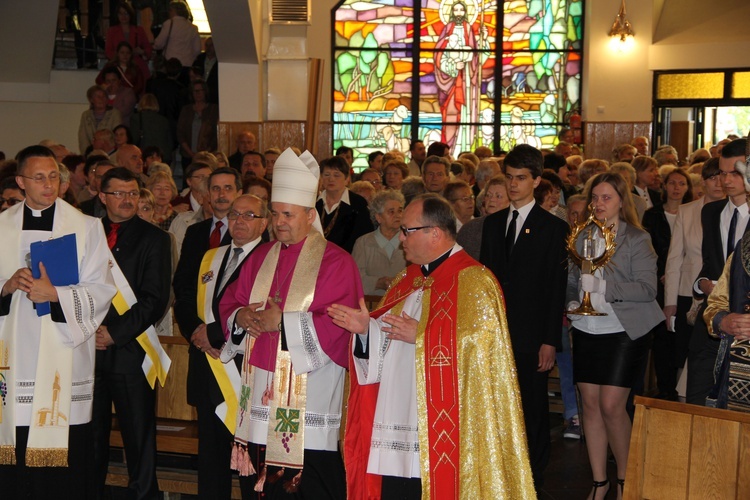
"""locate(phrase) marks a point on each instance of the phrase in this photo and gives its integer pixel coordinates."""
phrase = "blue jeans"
(565, 368)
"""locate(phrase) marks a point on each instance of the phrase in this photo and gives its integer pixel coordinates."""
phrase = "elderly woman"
(395, 173)
(378, 254)
(196, 127)
(97, 117)
(343, 214)
(624, 152)
(494, 198)
(164, 189)
(494, 195)
(146, 206)
(611, 351)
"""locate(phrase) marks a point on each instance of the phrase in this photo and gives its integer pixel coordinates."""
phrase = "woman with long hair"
(126, 30)
(130, 74)
(610, 351)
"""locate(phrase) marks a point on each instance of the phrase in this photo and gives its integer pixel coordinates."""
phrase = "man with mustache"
(143, 253)
(223, 187)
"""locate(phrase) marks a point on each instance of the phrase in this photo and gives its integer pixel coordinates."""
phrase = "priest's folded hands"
(403, 328)
(256, 321)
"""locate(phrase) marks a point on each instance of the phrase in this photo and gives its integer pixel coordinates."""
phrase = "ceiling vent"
(290, 11)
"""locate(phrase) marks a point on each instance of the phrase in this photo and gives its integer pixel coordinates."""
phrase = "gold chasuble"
(472, 440)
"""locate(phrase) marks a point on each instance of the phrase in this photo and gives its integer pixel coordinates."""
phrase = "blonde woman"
(164, 189)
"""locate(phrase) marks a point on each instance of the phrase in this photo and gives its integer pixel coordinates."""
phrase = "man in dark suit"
(524, 245)
(223, 187)
(143, 253)
(720, 235)
(246, 142)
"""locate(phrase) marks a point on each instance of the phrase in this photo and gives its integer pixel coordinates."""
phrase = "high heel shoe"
(600, 484)
(621, 484)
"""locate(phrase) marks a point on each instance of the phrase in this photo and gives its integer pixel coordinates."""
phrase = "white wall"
(616, 85)
(34, 111)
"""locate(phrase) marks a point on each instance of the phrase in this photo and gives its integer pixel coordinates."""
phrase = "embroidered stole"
(156, 362)
(288, 394)
(437, 373)
(47, 444)
(226, 375)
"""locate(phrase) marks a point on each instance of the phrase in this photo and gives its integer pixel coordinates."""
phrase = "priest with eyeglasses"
(47, 336)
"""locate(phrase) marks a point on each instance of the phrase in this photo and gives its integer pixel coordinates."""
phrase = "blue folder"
(60, 258)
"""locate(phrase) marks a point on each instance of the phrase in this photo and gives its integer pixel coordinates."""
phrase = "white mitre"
(295, 181)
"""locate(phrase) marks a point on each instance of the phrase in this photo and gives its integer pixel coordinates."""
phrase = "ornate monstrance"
(589, 262)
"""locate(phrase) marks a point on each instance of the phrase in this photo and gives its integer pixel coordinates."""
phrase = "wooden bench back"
(686, 451)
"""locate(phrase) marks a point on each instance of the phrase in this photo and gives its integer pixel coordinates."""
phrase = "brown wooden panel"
(718, 441)
(634, 473)
(602, 137)
(713, 458)
(666, 455)
(278, 134)
(743, 469)
(171, 400)
(681, 138)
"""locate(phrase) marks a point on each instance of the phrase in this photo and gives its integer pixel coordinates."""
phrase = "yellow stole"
(156, 363)
(226, 375)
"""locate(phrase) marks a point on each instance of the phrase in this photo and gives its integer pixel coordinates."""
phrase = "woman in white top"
(609, 352)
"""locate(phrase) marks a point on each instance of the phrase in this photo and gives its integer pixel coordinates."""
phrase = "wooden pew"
(685, 451)
(177, 429)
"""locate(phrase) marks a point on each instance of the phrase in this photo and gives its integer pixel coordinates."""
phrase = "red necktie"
(112, 236)
(215, 240)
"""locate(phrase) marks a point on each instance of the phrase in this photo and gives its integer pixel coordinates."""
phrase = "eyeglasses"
(247, 216)
(119, 195)
(409, 230)
(10, 201)
(40, 179)
(465, 199)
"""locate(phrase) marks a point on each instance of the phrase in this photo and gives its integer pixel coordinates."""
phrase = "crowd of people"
(234, 235)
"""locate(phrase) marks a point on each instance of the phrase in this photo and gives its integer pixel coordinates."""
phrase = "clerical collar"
(38, 220)
(427, 269)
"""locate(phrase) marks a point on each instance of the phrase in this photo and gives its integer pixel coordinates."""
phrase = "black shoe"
(600, 484)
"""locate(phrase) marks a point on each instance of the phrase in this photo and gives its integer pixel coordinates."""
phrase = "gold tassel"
(46, 457)
(292, 486)
(279, 474)
(261, 479)
(8, 455)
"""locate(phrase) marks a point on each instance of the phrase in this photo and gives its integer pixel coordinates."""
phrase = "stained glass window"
(437, 70)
